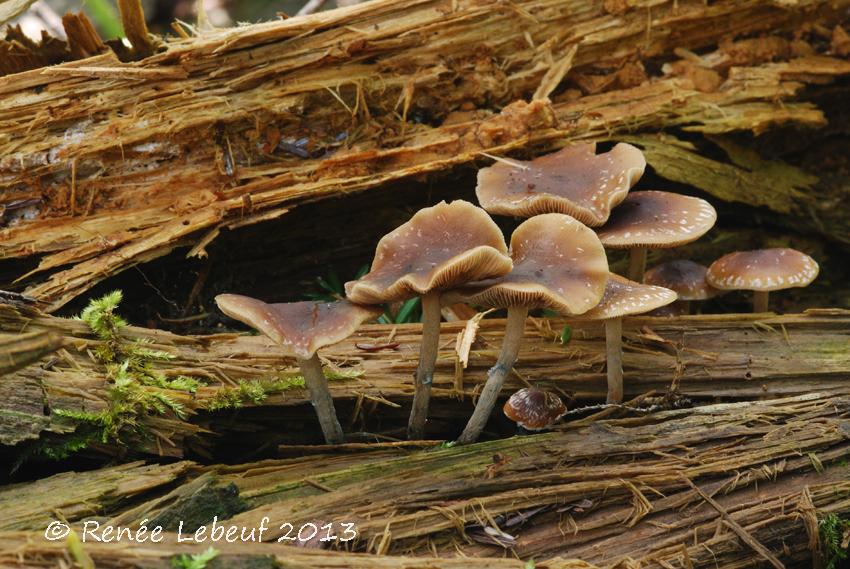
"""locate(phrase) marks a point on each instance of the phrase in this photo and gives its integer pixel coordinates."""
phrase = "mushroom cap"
(685, 278)
(440, 247)
(624, 297)
(534, 409)
(558, 264)
(300, 328)
(762, 270)
(657, 220)
(573, 181)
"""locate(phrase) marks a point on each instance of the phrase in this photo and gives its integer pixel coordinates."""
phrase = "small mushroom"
(301, 329)
(534, 409)
(574, 181)
(762, 271)
(559, 264)
(685, 278)
(623, 298)
(655, 220)
(441, 247)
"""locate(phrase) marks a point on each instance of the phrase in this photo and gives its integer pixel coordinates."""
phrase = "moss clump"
(835, 537)
(256, 391)
(194, 560)
(135, 388)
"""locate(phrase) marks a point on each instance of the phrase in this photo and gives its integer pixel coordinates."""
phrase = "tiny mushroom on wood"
(762, 271)
(685, 278)
(655, 220)
(574, 181)
(441, 247)
(534, 409)
(559, 264)
(301, 329)
(623, 298)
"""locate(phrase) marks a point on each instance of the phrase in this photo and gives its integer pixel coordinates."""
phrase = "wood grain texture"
(128, 161)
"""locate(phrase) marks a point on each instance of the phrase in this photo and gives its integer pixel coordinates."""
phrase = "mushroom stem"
(427, 362)
(614, 357)
(320, 397)
(760, 300)
(514, 329)
(637, 264)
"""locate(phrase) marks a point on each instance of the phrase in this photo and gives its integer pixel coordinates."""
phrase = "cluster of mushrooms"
(454, 252)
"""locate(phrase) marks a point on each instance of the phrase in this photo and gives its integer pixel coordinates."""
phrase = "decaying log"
(29, 506)
(725, 485)
(19, 549)
(21, 350)
(118, 164)
(730, 356)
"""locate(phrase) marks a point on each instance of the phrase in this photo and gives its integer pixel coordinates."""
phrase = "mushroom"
(685, 278)
(559, 264)
(441, 247)
(762, 271)
(623, 298)
(534, 409)
(301, 329)
(574, 181)
(655, 220)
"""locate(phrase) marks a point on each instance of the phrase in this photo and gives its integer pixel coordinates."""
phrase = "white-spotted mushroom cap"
(443, 246)
(559, 264)
(624, 297)
(762, 270)
(685, 278)
(657, 220)
(534, 409)
(300, 328)
(575, 181)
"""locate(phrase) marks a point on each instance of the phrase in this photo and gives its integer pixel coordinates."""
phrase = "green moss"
(834, 535)
(194, 561)
(256, 391)
(135, 388)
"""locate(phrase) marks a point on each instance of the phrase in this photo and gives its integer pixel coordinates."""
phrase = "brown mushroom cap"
(300, 328)
(762, 270)
(558, 264)
(656, 220)
(685, 278)
(440, 247)
(574, 181)
(624, 297)
(534, 409)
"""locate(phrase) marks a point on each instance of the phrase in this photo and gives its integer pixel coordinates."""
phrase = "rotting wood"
(21, 350)
(743, 534)
(610, 493)
(184, 156)
(730, 356)
(19, 549)
(754, 452)
(78, 496)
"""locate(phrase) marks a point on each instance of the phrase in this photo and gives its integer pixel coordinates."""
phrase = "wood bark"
(709, 356)
(108, 164)
(659, 490)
